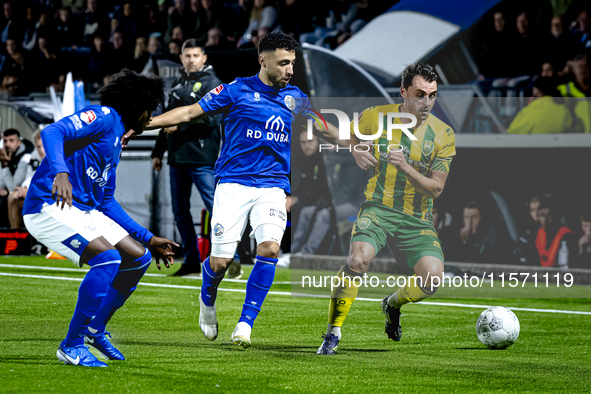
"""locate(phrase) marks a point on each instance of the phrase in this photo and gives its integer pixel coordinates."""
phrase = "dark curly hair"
(418, 69)
(277, 40)
(131, 94)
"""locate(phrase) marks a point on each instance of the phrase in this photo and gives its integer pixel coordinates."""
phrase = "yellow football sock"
(410, 292)
(342, 297)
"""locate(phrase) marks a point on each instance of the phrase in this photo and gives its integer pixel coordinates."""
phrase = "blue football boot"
(329, 345)
(102, 344)
(78, 355)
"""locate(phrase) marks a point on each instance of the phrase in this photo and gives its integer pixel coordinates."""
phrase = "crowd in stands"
(42, 40)
(542, 48)
(544, 240)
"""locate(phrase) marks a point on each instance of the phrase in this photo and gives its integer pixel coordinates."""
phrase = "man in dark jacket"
(15, 156)
(192, 149)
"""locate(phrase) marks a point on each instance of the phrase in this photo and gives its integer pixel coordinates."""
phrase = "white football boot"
(208, 321)
(241, 334)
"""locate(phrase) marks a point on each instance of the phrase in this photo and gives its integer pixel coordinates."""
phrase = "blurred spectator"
(155, 50)
(556, 244)
(8, 25)
(583, 259)
(497, 47)
(43, 64)
(98, 61)
(199, 18)
(579, 81)
(478, 239)
(95, 21)
(118, 57)
(216, 41)
(310, 201)
(43, 25)
(155, 21)
(263, 19)
(559, 42)
(155, 45)
(174, 50)
(65, 31)
(10, 85)
(525, 251)
(546, 114)
(31, 25)
(140, 54)
(533, 225)
(547, 70)
(527, 48)
(580, 27)
(177, 34)
(17, 197)
(17, 155)
(236, 19)
(126, 22)
(295, 16)
(57, 81)
(175, 18)
(16, 56)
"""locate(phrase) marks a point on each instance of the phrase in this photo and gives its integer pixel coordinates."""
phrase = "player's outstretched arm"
(176, 116)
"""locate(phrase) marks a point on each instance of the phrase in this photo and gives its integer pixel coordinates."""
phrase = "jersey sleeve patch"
(440, 164)
(88, 117)
(217, 90)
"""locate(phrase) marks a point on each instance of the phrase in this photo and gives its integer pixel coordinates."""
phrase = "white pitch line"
(63, 269)
(309, 295)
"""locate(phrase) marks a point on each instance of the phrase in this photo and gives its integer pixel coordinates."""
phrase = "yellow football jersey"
(433, 150)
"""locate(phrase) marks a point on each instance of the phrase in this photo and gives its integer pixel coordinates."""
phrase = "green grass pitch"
(157, 331)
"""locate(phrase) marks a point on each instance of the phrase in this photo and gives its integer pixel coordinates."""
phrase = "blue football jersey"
(256, 131)
(87, 146)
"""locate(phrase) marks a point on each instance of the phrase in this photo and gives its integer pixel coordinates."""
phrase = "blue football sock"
(121, 288)
(211, 281)
(258, 285)
(91, 293)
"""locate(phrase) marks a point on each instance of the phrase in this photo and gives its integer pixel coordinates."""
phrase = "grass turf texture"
(157, 331)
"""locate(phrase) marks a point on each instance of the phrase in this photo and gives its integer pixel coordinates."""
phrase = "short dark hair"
(277, 40)
(586, 215)
(130, 94)
(472, 205)
(546, 201)
(418, 69)
(9, 132)
(193, 43)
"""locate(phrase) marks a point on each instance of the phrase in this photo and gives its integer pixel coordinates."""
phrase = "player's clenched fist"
(398, 160)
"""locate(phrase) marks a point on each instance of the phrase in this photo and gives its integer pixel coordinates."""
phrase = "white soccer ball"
(497, 327)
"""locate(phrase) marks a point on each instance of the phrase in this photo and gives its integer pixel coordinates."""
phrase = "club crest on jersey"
(290, 102)
(196, 87)
(217, 90)
(363, 223)
(257, 97)
(218, 230)
(427, 148)
(88, 117)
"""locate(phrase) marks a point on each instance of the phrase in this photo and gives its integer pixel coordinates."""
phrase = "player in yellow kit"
(408, 175)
